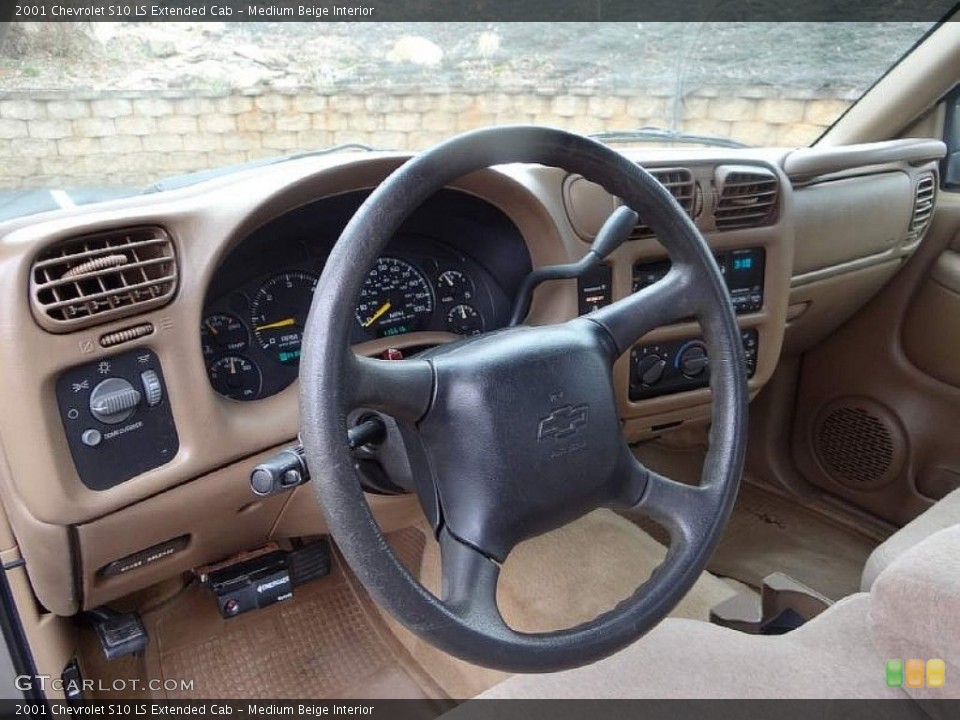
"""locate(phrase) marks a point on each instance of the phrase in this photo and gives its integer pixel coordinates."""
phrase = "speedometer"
(279, 312)
(395, 299)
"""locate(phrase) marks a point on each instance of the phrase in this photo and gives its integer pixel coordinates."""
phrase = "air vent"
(923, 202)
(679, 182)
(746, 197)
(89, 280)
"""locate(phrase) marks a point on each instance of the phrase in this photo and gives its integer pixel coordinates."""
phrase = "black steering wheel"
(517, 431)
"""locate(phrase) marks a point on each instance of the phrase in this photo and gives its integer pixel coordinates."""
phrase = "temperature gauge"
(222, 333)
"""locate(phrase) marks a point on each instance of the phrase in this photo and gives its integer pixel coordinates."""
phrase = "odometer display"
(279, 312)
(395, 299)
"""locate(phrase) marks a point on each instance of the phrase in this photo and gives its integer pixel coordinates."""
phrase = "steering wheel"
(517, 432)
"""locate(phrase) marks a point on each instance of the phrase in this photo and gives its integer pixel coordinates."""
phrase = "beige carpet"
(556, 581)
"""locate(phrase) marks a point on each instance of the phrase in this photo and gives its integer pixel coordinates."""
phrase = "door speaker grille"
(858, 444)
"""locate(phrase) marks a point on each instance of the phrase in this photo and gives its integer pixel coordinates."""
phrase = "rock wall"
(132, 139)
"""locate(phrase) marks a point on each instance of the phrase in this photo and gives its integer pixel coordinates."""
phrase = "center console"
(673, 366)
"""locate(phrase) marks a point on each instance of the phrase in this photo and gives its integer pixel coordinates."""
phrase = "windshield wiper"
(180, 181)
(663, 135)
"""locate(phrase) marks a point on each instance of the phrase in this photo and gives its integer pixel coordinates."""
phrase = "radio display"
(742, 270)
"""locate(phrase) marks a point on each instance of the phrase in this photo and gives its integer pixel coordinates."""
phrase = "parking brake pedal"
(119, 633)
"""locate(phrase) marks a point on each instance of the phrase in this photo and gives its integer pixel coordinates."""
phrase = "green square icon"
(894, 673)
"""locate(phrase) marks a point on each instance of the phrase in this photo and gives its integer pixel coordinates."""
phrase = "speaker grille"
(856, 445)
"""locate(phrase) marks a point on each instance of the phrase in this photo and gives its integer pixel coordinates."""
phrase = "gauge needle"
(211, 328)
(383, 308)
(279, 324)
(233, 366)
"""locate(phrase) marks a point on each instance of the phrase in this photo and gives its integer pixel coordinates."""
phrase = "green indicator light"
(894, 673)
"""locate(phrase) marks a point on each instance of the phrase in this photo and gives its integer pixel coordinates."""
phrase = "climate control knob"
(692, 360)
(650, 369)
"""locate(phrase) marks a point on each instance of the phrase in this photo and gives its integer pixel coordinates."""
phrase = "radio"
(742, 270)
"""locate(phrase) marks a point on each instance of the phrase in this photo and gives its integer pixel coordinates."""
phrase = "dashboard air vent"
(923, 202)
(746, 197)
(89, 280)
(679, 182)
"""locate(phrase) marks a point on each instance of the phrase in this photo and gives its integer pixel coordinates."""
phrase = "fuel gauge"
(454, 287)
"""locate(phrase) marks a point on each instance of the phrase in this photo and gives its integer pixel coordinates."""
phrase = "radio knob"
(650, 369)
(693, 360)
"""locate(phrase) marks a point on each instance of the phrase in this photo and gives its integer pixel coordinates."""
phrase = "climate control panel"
(117, 418)
(678, 365)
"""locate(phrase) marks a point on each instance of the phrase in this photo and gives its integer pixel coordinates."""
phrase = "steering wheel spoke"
(680, 508)
(469, 583)
(401, 388)
(669, 300)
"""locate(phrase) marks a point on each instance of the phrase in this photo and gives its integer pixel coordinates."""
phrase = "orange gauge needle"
(378, 314)
(279, 324)
(211, 328)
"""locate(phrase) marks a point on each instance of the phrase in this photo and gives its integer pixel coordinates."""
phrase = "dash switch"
(152, 388)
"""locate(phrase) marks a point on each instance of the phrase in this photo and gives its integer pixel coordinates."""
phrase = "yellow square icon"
(936, 673)
(914, 674)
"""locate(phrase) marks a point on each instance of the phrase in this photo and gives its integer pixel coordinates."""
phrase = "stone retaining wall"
(131, 140)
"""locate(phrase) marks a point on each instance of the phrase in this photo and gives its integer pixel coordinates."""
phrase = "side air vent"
(89, 280)
(679, 181)
(746, 197)
(924, 199)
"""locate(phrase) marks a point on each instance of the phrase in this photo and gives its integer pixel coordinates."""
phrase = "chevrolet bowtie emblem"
(562, 422)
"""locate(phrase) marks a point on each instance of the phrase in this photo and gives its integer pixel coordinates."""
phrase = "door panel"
(931, 331)
(878, 402)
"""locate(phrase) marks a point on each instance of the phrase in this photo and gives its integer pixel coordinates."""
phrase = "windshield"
(122, 105)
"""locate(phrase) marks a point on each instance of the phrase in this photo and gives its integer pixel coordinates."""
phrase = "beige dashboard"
(839, 225)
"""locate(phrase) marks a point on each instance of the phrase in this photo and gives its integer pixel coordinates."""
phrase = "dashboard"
(151, 344)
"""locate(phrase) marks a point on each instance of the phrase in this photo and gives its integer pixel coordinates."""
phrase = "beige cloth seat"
(912, 611)
(945, 513)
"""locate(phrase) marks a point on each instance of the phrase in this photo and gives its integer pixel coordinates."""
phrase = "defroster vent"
(89, 280)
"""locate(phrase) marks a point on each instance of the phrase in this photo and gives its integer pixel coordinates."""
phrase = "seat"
(912, 611)
(945, 513)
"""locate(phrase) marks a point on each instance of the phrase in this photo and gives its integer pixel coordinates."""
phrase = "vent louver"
(924, 199)
(746, 197)
(679, 182)
(89, 280)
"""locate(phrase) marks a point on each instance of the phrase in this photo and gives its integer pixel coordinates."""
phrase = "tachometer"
(278, 313)
(395, 299)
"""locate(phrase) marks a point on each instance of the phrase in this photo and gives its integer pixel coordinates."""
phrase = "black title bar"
(472, 10)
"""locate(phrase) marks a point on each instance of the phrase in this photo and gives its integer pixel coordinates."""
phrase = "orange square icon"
(914, 674)
(936, 673)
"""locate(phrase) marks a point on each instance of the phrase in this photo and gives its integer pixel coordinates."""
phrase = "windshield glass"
(122, 105)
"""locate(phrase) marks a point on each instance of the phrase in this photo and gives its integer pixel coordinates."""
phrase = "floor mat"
(770, 533)
(327, 642)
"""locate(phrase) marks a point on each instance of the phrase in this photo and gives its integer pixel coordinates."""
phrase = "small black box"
(251, 584)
